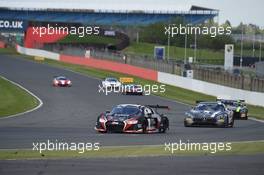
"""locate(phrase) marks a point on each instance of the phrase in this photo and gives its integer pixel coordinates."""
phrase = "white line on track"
(95, 78)
(32, 94)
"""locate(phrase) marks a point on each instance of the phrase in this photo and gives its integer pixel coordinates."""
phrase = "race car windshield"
(210, 107)
(62, 78)
(127, 110)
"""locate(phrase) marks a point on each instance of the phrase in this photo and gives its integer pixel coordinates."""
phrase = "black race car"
(132, 118)
(209, 113)
(238, 107)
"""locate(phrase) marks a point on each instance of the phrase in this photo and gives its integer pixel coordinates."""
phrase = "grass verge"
(7, 51)
(172, 92)
(14, 100)
(175, 52)
(216, 57)
(238, 148)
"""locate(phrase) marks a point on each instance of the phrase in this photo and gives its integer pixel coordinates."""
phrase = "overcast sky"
(248, 11)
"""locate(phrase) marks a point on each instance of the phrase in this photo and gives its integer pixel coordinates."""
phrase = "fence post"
(251, 83)
(173, 67)
(242, 81)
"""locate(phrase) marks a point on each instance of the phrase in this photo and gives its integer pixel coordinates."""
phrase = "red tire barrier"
(112, 66)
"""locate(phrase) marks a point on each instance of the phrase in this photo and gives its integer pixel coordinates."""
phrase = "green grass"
(238, 148)
(172, 92)
(203, 55)
(7, 51)
(175, 52)
(90, 39)
(256, 111)
(14, 100)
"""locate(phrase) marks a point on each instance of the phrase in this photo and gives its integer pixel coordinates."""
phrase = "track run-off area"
(69, 115)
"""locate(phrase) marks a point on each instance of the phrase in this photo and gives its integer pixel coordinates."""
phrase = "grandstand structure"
(194, 15)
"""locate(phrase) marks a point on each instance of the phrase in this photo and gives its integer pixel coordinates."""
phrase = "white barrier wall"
(38, 52)
(254, 98)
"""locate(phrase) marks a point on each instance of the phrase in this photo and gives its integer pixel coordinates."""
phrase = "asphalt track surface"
(239, 165)
(69, 114)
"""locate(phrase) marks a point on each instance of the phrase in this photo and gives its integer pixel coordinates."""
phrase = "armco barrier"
(37, 52)
(112, 66)
(254, 98)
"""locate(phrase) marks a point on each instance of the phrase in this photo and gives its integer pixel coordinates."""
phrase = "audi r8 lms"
(132, 89)
(209, 113)
(111, 82)
(61, 81)
(133, 118)
(238, 107)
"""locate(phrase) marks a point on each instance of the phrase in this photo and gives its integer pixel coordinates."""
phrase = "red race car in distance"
(61, 81)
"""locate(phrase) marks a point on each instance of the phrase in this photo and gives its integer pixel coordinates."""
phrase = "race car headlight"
(102, 120)
(69, 82)
(188, 119)
(132, 122)
(189, 115)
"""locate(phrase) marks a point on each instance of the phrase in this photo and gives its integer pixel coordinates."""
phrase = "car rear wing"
(158, 107)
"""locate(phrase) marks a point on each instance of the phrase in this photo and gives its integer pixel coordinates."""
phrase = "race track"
(233, 165)
(69, 114)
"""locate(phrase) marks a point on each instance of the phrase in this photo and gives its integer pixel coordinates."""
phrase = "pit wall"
(254, 98)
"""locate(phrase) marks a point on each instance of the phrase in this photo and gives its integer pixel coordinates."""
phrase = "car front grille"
(110, 127)
(204, 120)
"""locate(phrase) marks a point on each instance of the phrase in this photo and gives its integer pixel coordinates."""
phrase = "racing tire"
(165, 122)
(232, 123)
(144, 126)
(226, 124)
(186, 125)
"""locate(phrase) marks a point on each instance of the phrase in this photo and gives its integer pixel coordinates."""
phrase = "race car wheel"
(165, 125)
(232, 123)
(185, 124)
(226, 123)
(144, 125)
